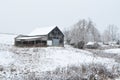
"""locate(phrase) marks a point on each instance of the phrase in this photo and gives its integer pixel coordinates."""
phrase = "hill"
(16, 63)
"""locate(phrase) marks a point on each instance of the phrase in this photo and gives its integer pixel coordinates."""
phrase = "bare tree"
(67, 36)
(95, 35)
(111, 33)
(79, 31)
(105, 36)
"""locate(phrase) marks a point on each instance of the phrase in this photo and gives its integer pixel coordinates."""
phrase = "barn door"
(55, 42)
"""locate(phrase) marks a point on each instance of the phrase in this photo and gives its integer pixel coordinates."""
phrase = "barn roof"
(31, 38)
(41, 31)
(91, 43)
(37, 33)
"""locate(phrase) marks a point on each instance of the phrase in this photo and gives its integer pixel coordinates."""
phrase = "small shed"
(41, 37)
(92, 45)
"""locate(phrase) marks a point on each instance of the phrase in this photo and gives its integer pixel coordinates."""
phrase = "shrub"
(1, 68)
(81, 44)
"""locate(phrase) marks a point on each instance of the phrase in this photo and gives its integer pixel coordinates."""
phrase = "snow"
(113, 51)
(117, 79)
(90, 43)
(50, 58)
(7, 39)
(31, 37)
(38, 60)
(6, 58)
(41, 31)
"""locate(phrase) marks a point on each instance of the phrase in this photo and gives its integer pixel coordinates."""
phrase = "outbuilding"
(92, 45)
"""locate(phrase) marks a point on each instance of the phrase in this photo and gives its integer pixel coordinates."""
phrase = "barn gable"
(56, 36)
(56, 31)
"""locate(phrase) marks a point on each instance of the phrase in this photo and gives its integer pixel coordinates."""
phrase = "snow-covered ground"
(6, 58)
(26, 60)
(113, 51)
(7, 39)
(46, 59)
(17, 61)
(50, 58)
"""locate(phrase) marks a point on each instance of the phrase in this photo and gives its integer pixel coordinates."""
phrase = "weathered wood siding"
(35, 42)
(56, 34)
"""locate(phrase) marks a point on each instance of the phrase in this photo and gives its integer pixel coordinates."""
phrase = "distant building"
(41, 37)
(92, 45)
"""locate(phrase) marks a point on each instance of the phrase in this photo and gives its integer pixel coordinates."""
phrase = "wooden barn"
(41, 37)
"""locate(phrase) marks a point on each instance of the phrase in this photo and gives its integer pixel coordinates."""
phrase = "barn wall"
(34, 43)
(56, 34)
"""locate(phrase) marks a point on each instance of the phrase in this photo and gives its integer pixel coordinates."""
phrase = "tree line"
(85, 31)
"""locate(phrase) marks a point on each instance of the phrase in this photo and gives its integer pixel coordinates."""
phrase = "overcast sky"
(22, 16)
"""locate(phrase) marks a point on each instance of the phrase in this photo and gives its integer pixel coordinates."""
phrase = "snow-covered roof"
(41, 31)
(90, 43)
(31, 37)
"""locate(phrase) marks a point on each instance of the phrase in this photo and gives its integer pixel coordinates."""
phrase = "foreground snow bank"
(6, 58)
(50, 58)
(22, 61)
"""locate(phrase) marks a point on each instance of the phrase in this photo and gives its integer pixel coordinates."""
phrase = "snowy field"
(7, 39)
(113, 51)
(17, 62)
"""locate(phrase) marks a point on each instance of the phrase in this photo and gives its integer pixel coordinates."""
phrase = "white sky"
(22, 16)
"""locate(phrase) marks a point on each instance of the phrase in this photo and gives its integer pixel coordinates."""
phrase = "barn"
(41, 37)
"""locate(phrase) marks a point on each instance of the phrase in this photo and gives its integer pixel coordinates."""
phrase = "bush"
(1, 68)
(81, 44)
(118, 42)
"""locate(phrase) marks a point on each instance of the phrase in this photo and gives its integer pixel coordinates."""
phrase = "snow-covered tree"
(83, 30)
(110, 33)
(93, 34)
(67, 36)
